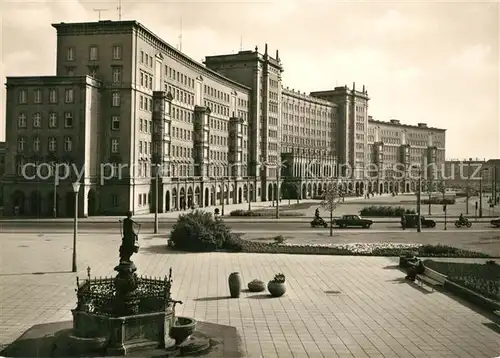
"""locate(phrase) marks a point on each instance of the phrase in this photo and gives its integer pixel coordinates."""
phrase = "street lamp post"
(76, 189)
(223, 195)
(157, 187)
(481, 191)
(419, 194)
(467, 190)
(54, 198)
(277, 193)
(249, 198)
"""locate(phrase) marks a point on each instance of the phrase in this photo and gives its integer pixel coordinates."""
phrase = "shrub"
(385, 211)
(279, 239)
(279, 278)
(200, 231)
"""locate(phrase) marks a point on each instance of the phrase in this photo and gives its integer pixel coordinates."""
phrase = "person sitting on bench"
(413, 271)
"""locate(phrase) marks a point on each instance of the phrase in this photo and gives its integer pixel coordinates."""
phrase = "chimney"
(277, 55)
(265, 50)
(354, 86)
(422, 125)
(364, 90)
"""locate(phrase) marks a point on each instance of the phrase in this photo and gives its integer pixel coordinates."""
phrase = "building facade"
(135, 119)
(475, 174)
(401, 153)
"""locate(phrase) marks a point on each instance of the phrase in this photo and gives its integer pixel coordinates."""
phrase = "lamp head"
(76, 187)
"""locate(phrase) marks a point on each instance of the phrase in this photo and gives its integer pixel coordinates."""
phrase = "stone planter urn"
(182, 328)
(235, 284)
(256, 286)
(277, 286)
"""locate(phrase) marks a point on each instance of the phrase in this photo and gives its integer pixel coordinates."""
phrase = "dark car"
(410, 221)
(495, 222)
(353, 221)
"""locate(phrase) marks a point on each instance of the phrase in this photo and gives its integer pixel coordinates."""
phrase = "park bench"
(430, 278)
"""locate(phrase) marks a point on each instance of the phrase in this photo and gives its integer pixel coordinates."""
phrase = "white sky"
(433, 62)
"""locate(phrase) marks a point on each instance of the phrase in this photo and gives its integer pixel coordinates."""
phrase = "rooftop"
(397, 123)
(51, 80)
(248, 55)
(304, 96)
(64, 28)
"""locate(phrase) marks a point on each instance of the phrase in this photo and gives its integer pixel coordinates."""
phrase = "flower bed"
(481, 278)
(365, 249)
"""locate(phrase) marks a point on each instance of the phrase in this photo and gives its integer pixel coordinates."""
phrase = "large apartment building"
(124, 103)
(402, 153)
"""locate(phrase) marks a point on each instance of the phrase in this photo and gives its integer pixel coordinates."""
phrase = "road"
(256, 225)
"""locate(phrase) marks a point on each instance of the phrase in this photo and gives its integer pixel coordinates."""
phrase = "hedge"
(265, 213)
(439, 201)
(385, 211)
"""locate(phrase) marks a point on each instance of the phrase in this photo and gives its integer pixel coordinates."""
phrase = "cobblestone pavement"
(334, 306)
(487, 242)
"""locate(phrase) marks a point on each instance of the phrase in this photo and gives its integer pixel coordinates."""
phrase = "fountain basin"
(121, 335)
(182, 328)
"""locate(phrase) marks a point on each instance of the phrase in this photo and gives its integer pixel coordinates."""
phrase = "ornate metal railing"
(98, 295)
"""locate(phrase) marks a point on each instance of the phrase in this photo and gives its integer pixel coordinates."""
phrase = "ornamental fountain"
(131, 314)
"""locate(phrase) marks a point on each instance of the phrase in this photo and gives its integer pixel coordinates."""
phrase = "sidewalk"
(334, 306)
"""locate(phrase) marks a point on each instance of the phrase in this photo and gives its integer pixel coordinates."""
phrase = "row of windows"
(69, 95)
(305, 131)
(145, 125)
(146, 59)
(181, 114)
(242, 103)
(310, 122)
(145, 147)
(146, 80)
(307, 141)
(273, 83)
(290, 107)
(218, 140)
(181, 133)
(214, 92)
(173, 74)
(180, 95)
(93, 53)
(217, 108)
(36, 144)
(37, 120)
(145, 103)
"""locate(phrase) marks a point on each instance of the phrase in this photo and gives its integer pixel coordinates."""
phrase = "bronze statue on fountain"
(130, 239)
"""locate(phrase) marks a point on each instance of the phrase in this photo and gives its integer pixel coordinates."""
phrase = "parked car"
(411, 220)
(353, 221)
(495, 222)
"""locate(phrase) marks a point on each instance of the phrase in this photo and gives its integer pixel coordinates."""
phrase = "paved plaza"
(334, 306)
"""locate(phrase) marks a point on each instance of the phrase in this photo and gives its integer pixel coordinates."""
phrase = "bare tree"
(331, 199)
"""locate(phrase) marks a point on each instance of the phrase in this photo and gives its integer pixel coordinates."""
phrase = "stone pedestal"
(126, 282)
